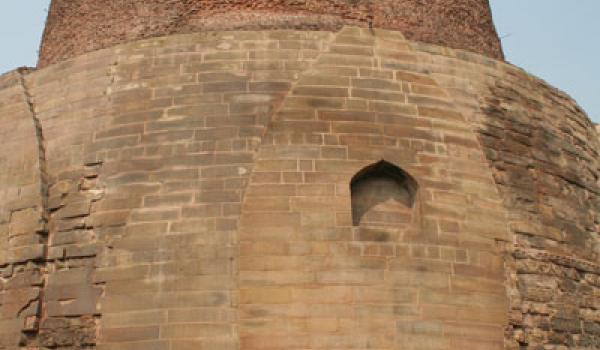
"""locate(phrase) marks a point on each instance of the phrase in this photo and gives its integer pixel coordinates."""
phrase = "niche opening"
(382, 195)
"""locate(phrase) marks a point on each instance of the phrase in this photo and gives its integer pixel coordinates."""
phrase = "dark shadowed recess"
(379, 192)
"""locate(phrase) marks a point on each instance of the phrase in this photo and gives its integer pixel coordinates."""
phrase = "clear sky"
(557, 40)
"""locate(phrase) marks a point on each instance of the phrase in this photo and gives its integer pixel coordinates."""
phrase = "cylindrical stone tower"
(78, 26)
(340, 174)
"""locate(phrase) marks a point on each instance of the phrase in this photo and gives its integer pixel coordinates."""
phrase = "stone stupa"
(292, 174)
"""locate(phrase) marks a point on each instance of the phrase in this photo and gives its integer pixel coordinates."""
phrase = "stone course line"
(197, 191)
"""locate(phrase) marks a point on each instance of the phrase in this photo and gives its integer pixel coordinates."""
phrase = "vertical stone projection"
(311, 279)
(22, 215)
(70, 101)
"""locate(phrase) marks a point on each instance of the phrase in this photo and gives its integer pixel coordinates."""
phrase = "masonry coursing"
(198, 196)
(78, 26)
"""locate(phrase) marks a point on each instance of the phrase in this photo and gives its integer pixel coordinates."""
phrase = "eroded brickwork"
(544, 153)
(198, 196)
(78, 26)
(23, 217)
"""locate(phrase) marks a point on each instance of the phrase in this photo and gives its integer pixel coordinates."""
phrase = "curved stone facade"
(196, 191)
(78, 26)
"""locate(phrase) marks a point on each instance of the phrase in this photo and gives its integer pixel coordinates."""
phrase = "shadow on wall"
(382, 195)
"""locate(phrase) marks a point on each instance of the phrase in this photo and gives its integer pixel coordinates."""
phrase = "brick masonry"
(194, 192)
(78, 26)
(544, 155)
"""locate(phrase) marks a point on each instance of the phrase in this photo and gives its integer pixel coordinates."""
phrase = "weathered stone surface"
(463, 24)
(552, 215)
(196, 191)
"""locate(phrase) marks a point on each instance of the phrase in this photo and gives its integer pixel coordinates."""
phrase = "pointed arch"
(383, 191)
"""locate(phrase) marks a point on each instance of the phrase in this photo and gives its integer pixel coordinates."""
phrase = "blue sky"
(556, 40)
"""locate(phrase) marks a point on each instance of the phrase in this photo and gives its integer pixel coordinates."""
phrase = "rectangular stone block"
(129, 334)
(379, 95)
(376, 84)
(194, 331)
(201, 315)
(145, 345)
(126, 319)
(320, 91)
(167, 200)
(27, 221)
(83, 302)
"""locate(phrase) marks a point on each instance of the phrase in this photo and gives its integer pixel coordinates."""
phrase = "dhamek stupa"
(292, 174)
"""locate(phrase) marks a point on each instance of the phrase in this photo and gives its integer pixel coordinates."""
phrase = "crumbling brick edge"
(32, 326)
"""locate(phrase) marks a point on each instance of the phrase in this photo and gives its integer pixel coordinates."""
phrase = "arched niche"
(382, 195)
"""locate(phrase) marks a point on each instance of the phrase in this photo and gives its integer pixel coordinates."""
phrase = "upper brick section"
(78, 26)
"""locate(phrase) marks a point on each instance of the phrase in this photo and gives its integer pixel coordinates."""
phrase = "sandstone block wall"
(194, 191)
(543, 151)
(22, 213)
(78, 26)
